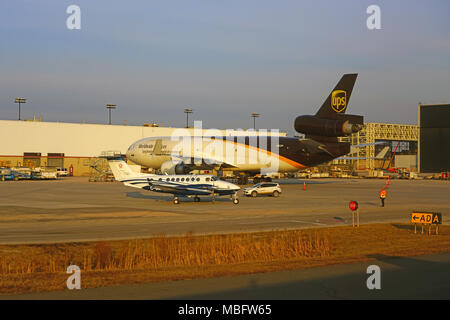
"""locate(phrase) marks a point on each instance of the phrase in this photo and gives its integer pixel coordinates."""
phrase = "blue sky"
(224, 59)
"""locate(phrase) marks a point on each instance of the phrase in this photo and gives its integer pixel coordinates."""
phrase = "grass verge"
(38, 268)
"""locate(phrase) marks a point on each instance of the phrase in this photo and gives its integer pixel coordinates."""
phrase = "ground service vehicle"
(62, 172)
(8, 174)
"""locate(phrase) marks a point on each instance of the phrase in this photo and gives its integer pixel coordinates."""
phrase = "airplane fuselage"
(236, 153)
(185, 185)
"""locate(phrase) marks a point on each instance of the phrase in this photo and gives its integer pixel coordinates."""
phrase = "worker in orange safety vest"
(382, 196)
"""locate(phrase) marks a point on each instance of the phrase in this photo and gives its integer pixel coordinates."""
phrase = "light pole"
(110, 106)
(19, 101)
(254, 116)
(187, 111)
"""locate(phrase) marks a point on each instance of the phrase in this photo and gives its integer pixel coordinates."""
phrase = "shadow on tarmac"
(424, 277)
(401, 278)
(297, 181)
(404, 226)
(139, 195)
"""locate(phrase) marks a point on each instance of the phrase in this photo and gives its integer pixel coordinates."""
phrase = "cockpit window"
(131, 147)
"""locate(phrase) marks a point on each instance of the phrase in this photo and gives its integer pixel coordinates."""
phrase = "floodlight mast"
(254, 116)
(110, 106)
(187, 111)
(20, 101)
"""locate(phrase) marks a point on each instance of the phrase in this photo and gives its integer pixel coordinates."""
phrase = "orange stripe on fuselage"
(287, 160)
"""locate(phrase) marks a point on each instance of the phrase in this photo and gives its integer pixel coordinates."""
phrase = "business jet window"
(178, 179)
(207, 179)
(160, 179)
(182, 179)
(198, 179)
(168, 179)
(173, 179)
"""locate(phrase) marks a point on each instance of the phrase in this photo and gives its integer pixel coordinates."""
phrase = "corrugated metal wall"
(434, 138)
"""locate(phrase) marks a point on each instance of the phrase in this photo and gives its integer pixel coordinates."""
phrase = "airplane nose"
(130, 152)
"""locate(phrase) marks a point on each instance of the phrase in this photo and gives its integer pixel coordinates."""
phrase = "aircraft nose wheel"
(175, 200)
(236, 201)
(196, 199)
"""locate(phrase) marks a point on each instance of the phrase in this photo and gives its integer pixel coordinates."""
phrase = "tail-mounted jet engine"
(313, 125)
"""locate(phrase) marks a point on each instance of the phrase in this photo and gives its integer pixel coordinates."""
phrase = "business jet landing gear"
(175, 200)
(196, 199)
(235, 199)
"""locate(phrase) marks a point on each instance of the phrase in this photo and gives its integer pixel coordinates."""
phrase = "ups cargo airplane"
(253, 154)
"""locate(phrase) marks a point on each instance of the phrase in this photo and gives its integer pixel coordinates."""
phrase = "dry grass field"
(38, 268)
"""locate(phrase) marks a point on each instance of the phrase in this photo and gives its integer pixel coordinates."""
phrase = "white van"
(62, 172)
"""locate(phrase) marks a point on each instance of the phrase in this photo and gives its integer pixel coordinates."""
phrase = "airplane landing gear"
(196, 199)
(235, 198)
(175, 200)
(242, 179)
(262, 179)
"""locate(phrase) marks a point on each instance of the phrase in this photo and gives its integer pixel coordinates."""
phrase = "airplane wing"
(380, 155)
(314, 146)
(205, 163)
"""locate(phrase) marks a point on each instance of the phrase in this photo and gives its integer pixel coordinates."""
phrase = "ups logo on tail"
(339, 100)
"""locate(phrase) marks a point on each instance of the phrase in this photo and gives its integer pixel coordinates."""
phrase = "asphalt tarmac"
(73, 209)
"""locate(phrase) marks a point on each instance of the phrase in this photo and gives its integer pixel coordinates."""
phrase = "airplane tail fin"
(336, 103)
(121, 170)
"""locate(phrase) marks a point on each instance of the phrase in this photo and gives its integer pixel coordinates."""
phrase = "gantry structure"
(371, 133)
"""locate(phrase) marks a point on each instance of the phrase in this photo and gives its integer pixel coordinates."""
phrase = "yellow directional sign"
(426, 217)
